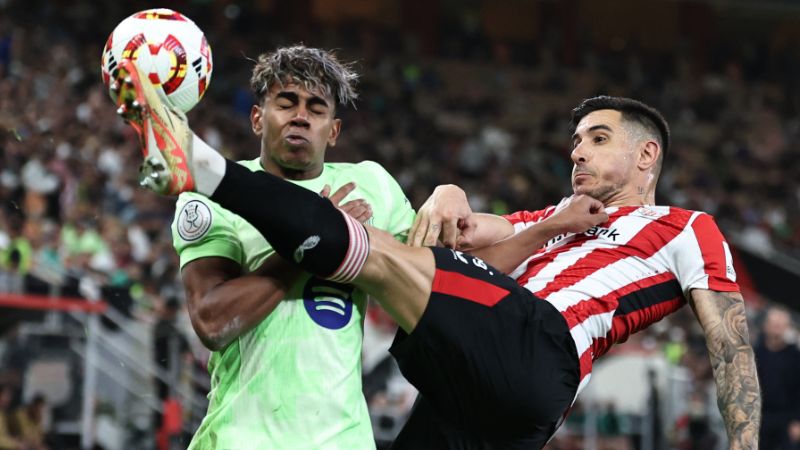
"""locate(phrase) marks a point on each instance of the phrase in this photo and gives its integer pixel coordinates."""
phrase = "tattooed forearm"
(738, 395)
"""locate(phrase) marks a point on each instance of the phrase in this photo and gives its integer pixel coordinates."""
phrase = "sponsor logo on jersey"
(329, 304)
(194, 220)
(601, 232)
(606, 233)
(558, 239)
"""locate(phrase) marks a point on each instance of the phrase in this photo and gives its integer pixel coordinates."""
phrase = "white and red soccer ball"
(167, 46)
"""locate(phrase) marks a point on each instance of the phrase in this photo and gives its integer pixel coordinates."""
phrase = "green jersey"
(293, 381)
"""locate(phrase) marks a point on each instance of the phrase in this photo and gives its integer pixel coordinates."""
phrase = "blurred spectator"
(778, 363)
(694, 430)
(169, 343)
(17, 256)
(7, 440)
(169, 349)
(28, 424)
(653, 418)
(609, 421)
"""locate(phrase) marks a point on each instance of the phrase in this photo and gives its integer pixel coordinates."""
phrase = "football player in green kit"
(286, 362)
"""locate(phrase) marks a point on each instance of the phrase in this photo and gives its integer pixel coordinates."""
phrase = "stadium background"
(472, 92)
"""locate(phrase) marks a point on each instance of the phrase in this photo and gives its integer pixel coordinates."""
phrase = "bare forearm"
(738, 396)
(727, 338)
(489, 229)
(235, 307)
(223, 304)
(573, 215)
(509, 253)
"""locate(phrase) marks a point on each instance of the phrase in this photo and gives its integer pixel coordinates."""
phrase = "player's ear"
(256, 114)
(336, 128)
(648, 154)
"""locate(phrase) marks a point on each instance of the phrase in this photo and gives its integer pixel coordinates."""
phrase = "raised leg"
(302, 227)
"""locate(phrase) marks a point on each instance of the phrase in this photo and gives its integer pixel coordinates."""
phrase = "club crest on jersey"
(329, 304)
(651, 212)
(194, 220)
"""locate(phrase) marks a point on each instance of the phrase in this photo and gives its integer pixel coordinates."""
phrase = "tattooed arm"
(738, 395)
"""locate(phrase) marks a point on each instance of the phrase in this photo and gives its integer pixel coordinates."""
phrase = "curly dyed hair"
(315, 69)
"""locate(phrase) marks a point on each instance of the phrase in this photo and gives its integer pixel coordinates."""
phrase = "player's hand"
(466, 229)
(440, 217)
(579, 213)
(358, 209)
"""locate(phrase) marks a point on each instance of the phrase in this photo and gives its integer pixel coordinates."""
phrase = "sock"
(301, 226)
(208, 166)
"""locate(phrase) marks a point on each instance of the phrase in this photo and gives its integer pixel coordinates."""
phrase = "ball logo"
(329, 304)
(194, 220)
(160, 14)
(167, 59)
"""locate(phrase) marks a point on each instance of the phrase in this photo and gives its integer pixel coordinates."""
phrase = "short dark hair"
(632, 111)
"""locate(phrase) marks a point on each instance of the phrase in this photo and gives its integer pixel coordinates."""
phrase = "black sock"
(301, 226)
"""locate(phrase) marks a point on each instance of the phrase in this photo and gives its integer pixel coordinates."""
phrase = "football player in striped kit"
(619, 277)
(498, 366)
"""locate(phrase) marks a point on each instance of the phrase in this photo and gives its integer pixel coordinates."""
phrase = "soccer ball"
(167, 46)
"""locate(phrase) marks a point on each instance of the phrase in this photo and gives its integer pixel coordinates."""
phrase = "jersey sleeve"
(525, 219)
(201, 228)
(392, 212)
(704, 261)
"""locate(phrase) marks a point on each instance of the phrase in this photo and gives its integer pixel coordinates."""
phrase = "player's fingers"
(361, 213)
(326, 191)
(467, 227)
(418, 236)
(432, 235)
(366, 215)
(599, 211)
(596, 205)
(413, 230)
(358, 209)
(342, 192)
(353, 205)
(450, 233)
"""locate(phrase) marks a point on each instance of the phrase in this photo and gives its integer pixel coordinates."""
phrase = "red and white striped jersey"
(625, 274)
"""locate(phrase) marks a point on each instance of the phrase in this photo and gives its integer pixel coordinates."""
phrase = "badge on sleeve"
(194, 220)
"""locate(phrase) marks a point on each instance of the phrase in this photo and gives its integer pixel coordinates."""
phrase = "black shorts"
(492, 362)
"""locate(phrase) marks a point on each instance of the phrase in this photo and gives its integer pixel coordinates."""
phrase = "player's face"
(296, 126)
(604, 157)
(777, 324)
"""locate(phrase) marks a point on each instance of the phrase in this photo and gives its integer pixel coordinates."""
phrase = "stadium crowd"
(488, 115)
